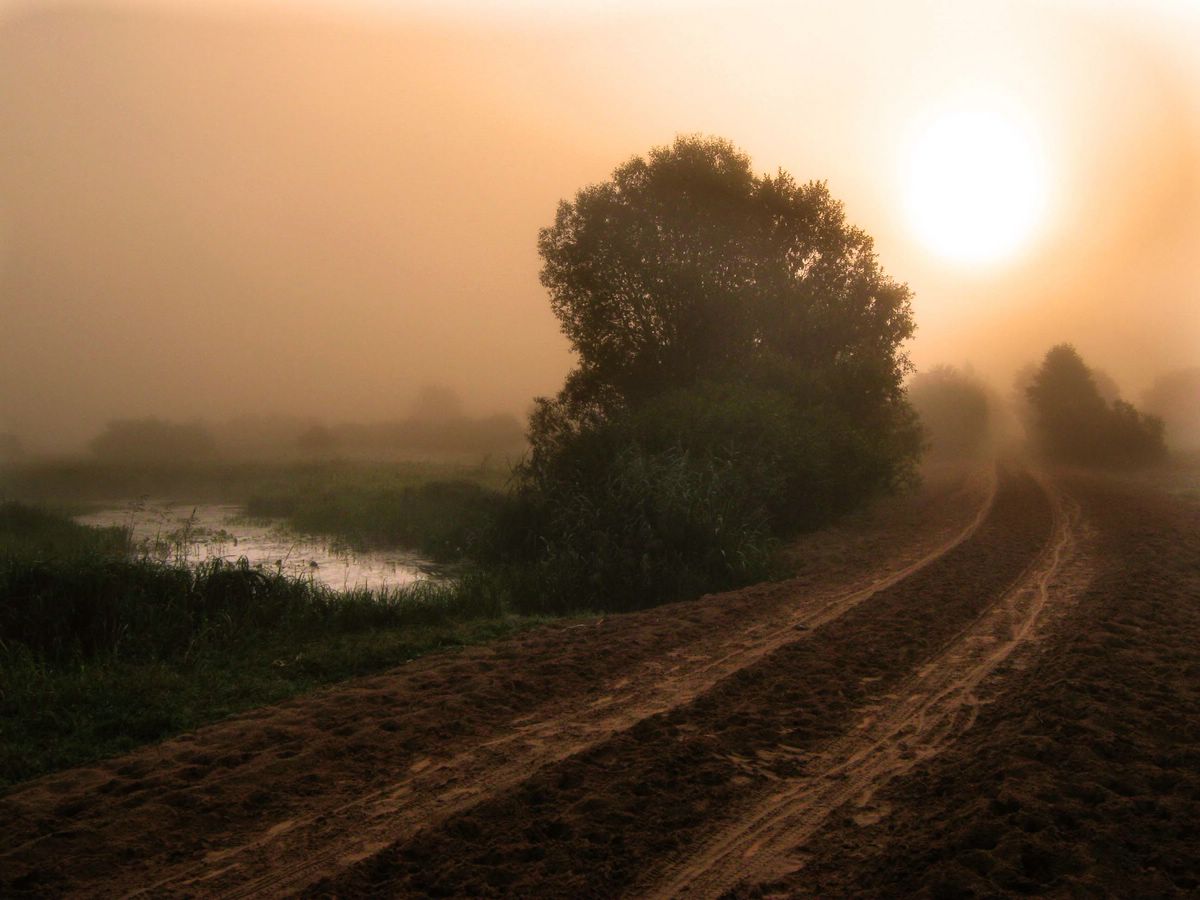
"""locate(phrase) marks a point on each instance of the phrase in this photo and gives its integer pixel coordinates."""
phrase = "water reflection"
(193, 534)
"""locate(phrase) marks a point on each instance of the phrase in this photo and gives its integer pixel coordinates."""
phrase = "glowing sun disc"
(975, 185)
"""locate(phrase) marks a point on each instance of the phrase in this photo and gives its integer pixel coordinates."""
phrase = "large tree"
(687, 267)
(739, 376)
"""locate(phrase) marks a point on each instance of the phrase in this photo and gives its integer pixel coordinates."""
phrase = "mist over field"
(315, 211)
(600, 448)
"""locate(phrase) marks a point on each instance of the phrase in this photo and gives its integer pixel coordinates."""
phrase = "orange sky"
(211, 209)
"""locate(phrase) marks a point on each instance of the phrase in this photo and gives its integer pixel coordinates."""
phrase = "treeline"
(443, 431)
(1070, 421)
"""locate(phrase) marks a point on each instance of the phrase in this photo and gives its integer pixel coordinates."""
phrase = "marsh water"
(194, 534)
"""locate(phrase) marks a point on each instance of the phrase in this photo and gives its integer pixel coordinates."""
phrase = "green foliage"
(954, 410)
(1072, 423)
(739, 376)
(443, 520)
(687, 267)
(94, 605)
(630, 530)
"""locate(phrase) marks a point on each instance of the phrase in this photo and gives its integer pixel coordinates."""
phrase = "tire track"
(600, 822)
(919, 721)
(293, 854)
(278, 797)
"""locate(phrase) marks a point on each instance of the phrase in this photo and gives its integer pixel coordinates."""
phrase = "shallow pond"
(193, 534)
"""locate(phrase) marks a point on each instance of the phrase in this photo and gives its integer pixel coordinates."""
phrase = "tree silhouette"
(686, 267)
(1072, 423)
(954, 410)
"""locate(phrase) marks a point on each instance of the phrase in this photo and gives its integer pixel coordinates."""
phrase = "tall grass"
(101, 650)
(640, 529)
(443, 520)
(97, 606)
(29, 532)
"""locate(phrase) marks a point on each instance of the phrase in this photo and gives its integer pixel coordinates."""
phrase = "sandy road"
(915, 723)
(432, 792)
(273, 800)
(626, 815)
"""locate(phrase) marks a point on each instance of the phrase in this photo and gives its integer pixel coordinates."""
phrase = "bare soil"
(990, 688)
(1081, 775)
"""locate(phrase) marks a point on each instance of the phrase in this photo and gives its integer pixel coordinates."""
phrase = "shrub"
(954, 410)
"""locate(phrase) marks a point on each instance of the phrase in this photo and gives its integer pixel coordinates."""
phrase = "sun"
(975, 185)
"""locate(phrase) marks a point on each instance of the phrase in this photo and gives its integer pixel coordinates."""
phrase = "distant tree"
(1072, 422)
(153, 440)
(954, 410)
(1175, 397)
(686, 267)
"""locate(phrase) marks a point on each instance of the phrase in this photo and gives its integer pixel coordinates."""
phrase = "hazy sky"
(218, 208)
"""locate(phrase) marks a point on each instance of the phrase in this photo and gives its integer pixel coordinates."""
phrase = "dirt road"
(687, 751)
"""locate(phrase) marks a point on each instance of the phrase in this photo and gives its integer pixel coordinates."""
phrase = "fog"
(212, 211)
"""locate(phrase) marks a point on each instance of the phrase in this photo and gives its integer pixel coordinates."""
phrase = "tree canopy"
(739, 375)
(686, 267)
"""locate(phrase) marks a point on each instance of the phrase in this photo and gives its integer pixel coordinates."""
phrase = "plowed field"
(990, 688)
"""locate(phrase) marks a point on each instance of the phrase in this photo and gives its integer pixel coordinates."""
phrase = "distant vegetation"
(955, 411)
(1071, 422)
(1175, 398)
(437, 428)
(153, 441)
(739, 377)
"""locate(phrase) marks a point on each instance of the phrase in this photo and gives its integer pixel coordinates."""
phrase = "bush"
(954, 410)
(630, 530)
(683, 494)
(443, 520)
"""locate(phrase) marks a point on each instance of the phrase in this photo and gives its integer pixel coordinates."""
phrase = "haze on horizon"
(313, 209)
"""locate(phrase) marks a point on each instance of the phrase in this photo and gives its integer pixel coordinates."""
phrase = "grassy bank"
(438, 509)
(100, 652)
(443, 520)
